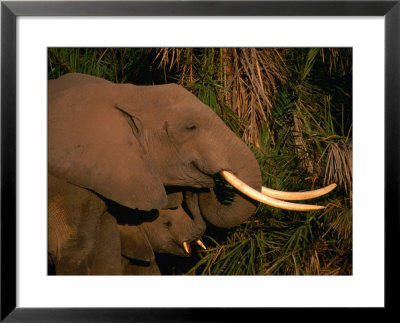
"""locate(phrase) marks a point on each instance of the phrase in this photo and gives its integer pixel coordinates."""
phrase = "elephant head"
(131, 143)
(168, 231)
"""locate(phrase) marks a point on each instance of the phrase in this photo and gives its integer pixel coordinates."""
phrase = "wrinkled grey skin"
(85, 239)
(130, 143)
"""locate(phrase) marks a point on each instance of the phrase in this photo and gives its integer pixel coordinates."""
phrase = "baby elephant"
(170, 232)
(84, 237)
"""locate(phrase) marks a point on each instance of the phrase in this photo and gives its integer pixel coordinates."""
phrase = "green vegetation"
(293, 107)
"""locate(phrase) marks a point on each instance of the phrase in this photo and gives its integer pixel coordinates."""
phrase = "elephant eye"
(192, 127)
(168, 224)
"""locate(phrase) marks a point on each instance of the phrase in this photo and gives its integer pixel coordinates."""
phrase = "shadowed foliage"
(293, 108)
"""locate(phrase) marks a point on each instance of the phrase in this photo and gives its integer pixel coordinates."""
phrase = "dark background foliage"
(293, 108)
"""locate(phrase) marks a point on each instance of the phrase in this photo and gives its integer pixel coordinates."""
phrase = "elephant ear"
(134, 244)
(94, 144)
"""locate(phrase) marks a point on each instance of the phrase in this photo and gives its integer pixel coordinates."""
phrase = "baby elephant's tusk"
(297, 196)
(186, 246)
(201, 244)
(258, 196)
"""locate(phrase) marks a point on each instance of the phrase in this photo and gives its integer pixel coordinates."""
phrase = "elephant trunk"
(241, 170)
(241, 162)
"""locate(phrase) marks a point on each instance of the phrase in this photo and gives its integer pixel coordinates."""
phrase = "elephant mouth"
(201, 179)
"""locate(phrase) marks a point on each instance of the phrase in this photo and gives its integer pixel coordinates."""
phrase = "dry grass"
(179, 58)
(339, 218)
(336, 60)
(301, 149)
(339, 165)
(252, 80)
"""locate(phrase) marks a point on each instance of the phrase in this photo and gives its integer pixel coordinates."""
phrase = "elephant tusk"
(186, 246)
(297, 196)
(201, 244)
(258, 196)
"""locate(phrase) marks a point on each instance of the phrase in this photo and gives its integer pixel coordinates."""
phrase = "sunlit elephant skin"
(130, 143)
(85, 239)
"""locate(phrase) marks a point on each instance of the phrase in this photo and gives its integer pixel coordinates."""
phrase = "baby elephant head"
(168, 231)
(174, 229)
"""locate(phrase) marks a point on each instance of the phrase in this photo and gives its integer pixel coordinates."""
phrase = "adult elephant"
(131, 143)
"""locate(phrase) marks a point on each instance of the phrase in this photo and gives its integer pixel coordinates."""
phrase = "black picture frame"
(10, 10)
